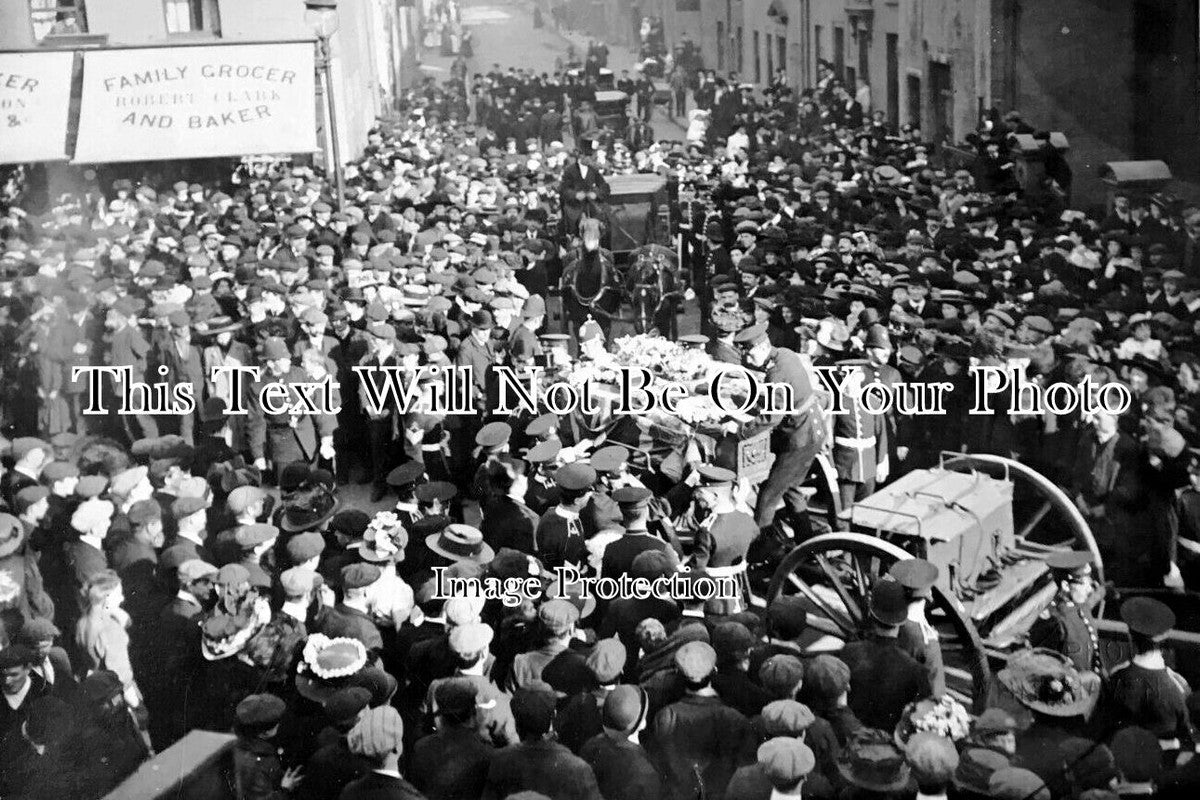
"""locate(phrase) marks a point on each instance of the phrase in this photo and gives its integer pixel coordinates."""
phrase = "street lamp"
(322, 17)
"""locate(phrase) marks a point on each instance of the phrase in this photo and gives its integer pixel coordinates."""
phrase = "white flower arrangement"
(942, 716)
(350, 651)
(10, 590)
(698, 410)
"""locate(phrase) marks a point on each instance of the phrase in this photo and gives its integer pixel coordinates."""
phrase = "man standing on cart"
(798, 435)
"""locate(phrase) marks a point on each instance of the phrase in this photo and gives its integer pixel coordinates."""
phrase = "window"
(781, 60)
(192, 16)
(740, 48)
(864, 58)
(839, 54)
(757, 60)
(721, 46)
(818, 49)
(770, 59)
(56, 18)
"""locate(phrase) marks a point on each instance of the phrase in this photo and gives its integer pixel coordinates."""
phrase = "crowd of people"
(166, 572)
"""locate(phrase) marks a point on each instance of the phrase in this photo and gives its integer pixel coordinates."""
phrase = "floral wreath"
(328, 658)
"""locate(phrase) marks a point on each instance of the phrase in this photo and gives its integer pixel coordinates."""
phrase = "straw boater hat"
(215, 325)
(12, 534)
(1047, 682)
(327, 665)
(460, 543)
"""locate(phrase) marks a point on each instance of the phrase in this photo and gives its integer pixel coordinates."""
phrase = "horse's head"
(645, 302)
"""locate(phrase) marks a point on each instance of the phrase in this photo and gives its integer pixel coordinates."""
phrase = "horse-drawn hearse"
(633, 274)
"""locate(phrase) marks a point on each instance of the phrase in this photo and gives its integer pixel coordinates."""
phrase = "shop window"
(192, 16)
(56, 18)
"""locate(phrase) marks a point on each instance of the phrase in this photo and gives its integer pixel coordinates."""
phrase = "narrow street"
(503, 33)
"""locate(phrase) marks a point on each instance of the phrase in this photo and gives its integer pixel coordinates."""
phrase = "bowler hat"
(889, 606)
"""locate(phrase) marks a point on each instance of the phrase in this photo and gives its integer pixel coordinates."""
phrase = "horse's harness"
(592, 302)
(653, 275)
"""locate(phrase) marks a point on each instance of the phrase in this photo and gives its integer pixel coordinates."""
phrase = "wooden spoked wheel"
(833, 575)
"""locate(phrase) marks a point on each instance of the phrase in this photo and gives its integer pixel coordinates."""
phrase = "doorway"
(941, 102)
(893, 79)
(914, 101)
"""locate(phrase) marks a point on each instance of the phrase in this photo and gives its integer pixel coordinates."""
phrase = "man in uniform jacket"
(797, 437)
(507, 521)
(560, 538)
(1067, 625)
(917, 637)
(634, 502)
(725, 535)
(699, 741)
(883, 678)
(1146, 692)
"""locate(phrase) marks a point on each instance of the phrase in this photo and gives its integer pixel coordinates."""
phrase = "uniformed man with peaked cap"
(1067, 625)
(798, 435)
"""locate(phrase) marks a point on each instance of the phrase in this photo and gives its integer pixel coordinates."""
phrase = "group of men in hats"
(234, 587)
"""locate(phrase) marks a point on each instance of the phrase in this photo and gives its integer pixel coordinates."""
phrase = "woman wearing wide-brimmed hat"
(874, 766)
(1059, 698)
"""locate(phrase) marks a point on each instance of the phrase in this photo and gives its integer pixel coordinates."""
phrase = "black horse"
(590, 282)
(653, 288)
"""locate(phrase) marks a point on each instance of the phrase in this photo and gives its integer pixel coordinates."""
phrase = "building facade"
(373, 50)
(1117, 77)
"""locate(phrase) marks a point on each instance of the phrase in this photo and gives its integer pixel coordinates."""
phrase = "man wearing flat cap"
(470, 645)
(538, 763)
(556, 623)
(453, 761)
(127, 347)
(700, 739)
(797, 436)
(277, 434)
(258, 769)
(783, 769)
(175, 360)
(622, 767)
(351, 616)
